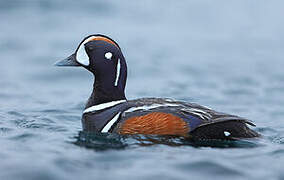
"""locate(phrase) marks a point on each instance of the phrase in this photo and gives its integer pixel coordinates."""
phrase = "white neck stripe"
(102, 106)
(117, 73)
(110, 123)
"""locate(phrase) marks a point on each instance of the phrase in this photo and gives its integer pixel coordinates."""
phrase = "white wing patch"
(102, 106)
(110, 123)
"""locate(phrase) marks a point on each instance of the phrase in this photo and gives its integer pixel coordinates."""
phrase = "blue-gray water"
(224, 54)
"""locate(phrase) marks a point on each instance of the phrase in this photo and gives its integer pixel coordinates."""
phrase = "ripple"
(5, 130)
(266, 130)
(68, 117)
(238, 92)
(211, 168)
(79, 106)
(278, 140)
(54, 111)
(16, 113)
(23, 136)
(277, 152)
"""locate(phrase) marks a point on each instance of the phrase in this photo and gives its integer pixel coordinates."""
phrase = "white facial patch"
(81, 55)
(108, 55)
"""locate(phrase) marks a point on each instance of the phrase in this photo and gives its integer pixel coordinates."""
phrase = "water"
(224, 54)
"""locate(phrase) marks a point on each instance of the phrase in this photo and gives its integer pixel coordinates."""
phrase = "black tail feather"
(224, 130)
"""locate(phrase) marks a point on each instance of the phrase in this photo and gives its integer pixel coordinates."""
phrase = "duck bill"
(70, 61)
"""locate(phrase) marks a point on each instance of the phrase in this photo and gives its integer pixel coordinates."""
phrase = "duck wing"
(155, 115)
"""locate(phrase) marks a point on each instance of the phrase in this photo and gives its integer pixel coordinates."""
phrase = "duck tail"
(224, 130)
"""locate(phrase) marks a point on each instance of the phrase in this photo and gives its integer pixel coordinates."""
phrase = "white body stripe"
(117, 73)
(198, 112)
(103, 106)
(153, 106)
(110, 123)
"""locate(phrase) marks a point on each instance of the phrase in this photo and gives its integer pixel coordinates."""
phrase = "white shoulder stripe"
(103, 106)
(110, 123)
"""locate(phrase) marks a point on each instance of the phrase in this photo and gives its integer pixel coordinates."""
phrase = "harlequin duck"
(108, 110)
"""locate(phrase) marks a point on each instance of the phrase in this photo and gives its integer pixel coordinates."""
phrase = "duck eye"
(108, 55)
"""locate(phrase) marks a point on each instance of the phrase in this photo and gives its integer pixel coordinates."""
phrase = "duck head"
(101, 56)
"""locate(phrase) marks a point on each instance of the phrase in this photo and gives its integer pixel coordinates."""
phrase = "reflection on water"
(106, 141)
(98, 141)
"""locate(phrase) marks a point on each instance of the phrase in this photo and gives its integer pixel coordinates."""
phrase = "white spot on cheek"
(108, 55)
